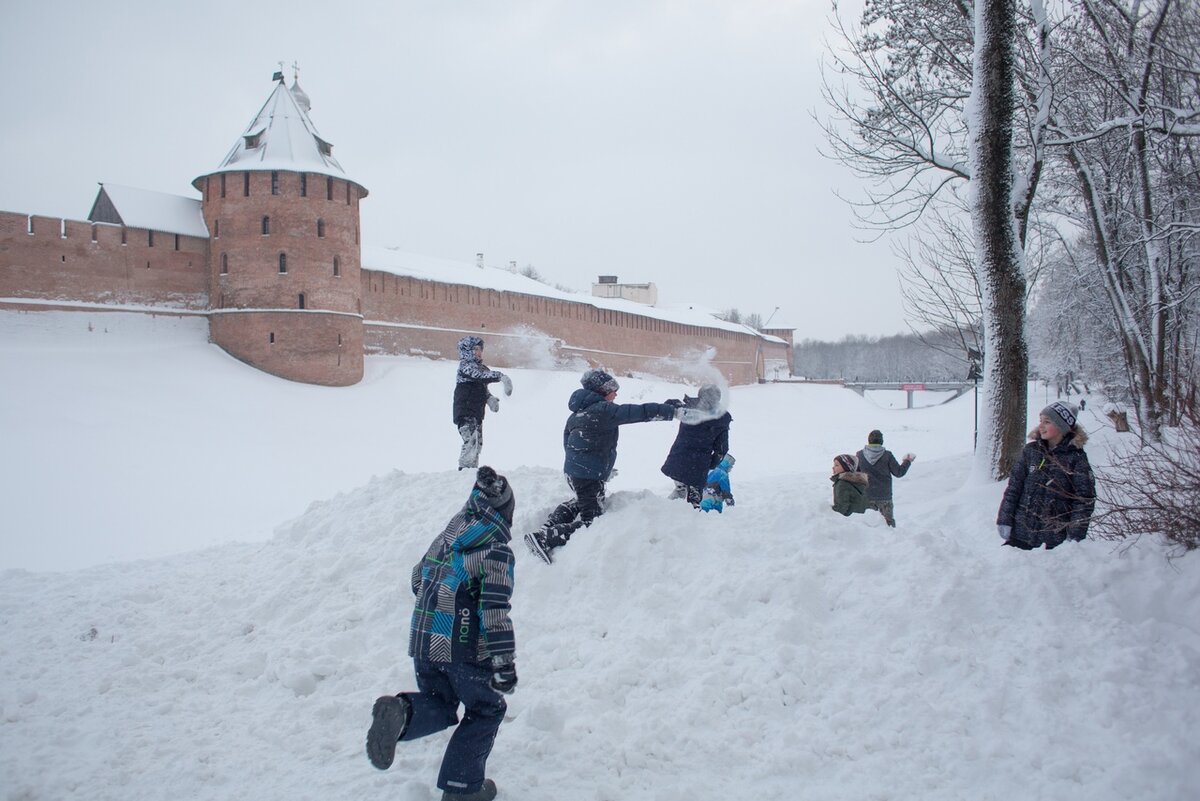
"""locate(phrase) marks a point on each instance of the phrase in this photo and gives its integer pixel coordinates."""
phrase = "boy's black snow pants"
(442, 687)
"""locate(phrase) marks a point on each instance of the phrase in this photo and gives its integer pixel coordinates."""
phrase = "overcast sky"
(656, 140)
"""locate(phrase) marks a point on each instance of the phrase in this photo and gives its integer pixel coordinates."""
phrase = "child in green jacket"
(849, 486)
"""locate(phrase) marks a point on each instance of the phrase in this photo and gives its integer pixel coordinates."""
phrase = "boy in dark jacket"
(698, 447)
(849, 486)
(880, 465)
(461, 642)
(471, 396)
(1051, 491)
(590, 446)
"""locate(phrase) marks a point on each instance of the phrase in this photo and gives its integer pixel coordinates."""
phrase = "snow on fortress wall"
(403, 314)
(47, 258)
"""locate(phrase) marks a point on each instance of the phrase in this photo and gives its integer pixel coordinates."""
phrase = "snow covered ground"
(207, 572)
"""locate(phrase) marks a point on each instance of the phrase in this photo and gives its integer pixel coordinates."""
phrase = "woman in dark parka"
(698, 447)
(1051, 491)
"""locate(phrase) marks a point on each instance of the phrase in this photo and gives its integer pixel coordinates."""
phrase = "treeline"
(904, 357)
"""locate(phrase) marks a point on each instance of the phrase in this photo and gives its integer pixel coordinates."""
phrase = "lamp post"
(767, 324)
(975, 359)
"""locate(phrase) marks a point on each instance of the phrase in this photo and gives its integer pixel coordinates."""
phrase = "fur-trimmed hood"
(852, 477)
(1076, 437)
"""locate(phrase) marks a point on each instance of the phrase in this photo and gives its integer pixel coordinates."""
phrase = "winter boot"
(485, 793)
(542, 543)
(390, 719)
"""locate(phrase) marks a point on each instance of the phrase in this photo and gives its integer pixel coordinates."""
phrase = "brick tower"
(284, 256)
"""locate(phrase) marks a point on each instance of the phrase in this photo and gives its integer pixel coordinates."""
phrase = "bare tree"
(1129, 137)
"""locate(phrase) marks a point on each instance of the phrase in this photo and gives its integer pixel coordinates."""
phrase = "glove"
(505, 382)
(910, 457)
(493, 403)
(504, 677)
(729, 500)
(673, 402)
(1004, 531)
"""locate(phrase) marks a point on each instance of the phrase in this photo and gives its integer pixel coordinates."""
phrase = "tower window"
(274, 182)
(337, 267)
(224, 264)
(216, 229)
(282, 263)
(303, 184)
(177, 241)
(301, 300)
(124, 232)
(246, 184)
(271, 338)
(347, 193)
(222, 184)
(320, 229)
(329, 189)
(266, 226)
(150, 238)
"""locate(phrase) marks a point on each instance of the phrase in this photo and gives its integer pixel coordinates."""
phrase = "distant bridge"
(959, 388)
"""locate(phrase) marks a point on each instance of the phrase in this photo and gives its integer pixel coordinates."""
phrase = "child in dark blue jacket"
(698, 447)
(590, 449)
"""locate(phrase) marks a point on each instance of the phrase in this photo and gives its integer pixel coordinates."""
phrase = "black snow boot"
(390, 719)
(485, 793)
(543, 542)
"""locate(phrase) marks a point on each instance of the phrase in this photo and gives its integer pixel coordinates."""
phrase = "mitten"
(493, 403)
(910, 457)
(504, 676)
(1004, 531)
(729, 500)
(505, 382)
(673, 402)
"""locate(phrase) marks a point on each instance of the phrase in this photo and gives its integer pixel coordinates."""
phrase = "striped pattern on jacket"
(464, 586)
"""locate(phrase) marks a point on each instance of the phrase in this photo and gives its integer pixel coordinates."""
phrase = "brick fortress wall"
(410, 315)
(254, 309)
(48, 258)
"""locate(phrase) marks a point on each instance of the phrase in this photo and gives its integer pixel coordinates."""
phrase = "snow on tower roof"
(142, 208)
(282, 137)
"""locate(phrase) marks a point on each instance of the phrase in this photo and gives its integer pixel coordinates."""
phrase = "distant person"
(461, 642)
(717, 491)
(880, 465)
(849, 486)
(1051, 491)
(471, 395)
(590, 447)
(699, 447)
(1082, 404)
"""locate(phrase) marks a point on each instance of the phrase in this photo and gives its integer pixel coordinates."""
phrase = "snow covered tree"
(1129, 133)
(999, 261)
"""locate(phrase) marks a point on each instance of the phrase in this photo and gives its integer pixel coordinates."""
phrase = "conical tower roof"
(282, 137)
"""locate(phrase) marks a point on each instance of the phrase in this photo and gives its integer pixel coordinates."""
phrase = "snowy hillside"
(776, 651)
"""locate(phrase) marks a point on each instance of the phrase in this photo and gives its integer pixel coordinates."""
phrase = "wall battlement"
(62, 259)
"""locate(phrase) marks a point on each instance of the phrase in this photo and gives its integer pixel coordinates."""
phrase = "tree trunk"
(999, 259)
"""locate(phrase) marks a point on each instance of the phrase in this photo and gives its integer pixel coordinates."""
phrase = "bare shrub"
(1153, 488)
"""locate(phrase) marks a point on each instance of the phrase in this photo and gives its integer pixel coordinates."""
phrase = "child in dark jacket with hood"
(880, 465)
(590, 447)
(1051, 491)
(698, 447)
(461, 642)
(471, 396)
